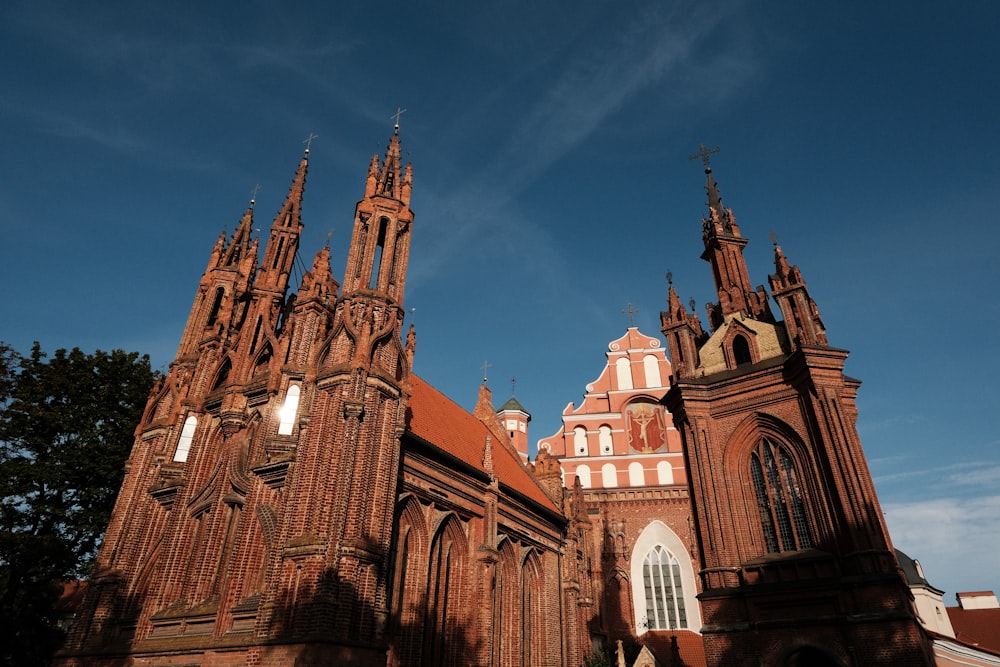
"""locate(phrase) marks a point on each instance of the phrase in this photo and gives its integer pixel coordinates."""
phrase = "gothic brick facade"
(796, 562)
(297, 496)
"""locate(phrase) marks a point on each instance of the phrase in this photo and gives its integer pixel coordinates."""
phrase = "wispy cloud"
(592, 81)
(951, 537)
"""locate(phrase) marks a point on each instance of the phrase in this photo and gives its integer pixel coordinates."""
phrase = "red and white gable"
(621, 436)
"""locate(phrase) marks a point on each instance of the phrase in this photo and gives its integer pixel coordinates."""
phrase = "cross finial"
(513, 385)
(253, 195)
(399, 112)
(329, 234)
(703, 152)
(631, 311)
(670, 277)
(485, 367)
(309, 140)
(774, 238)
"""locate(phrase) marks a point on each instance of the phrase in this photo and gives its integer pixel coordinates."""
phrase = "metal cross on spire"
(309, 140)
(399, 112)
(703, 152)
(486, 366)
(513, 385)
(631, 311)
(253, 195)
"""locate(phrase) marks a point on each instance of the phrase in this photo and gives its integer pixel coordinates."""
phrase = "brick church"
(297, 496)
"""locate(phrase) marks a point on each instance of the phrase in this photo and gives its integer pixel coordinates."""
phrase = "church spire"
(724, 251)
(284, 240)
(380, 243)
(802, 318)
(683, 333)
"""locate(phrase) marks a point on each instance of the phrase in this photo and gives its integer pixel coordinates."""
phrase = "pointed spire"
(283, 243)
(803, 321)
(241, 239)
(389, 177)
(291, 211)
(318, 283)
(724, 251)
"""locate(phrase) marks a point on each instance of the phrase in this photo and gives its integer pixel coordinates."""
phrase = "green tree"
(66, 427)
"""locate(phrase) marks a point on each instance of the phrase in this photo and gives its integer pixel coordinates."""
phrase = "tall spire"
(724, 251)
(284, 240)
(241, 239)
(380, 243)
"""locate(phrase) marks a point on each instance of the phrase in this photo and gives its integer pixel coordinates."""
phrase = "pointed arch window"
(779, 498)
(661, 578)
(184, 442)
(289, 410)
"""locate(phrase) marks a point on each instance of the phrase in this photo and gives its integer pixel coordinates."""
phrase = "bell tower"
(796, 563)
(353, 373)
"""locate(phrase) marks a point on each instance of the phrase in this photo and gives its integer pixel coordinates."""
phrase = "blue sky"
(552, 187)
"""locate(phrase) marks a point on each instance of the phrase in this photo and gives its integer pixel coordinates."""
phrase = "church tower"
(228, 534)
(796, 563)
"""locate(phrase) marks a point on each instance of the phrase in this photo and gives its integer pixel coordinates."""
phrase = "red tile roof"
(977, 627)
(690, 645)
(436, 419)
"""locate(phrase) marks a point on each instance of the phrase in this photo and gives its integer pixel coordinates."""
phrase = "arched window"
(583, 472)
(624, 368)
(609, 476)
(651, 366)
(661, 580)
(604, 438)
(444, 614)
(741, 350)
(289, 410)
(636, 476)
(184, 442)
(664, 473)
(779, 498)
(580, 441)
(663, 577)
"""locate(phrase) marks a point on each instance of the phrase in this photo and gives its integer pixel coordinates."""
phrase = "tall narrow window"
(741, 350)
(661, 577)
(373, 282)
(651, 369)
(213, 315)
(779, 498)
(624, 370)
(289, 410)
(184, 442)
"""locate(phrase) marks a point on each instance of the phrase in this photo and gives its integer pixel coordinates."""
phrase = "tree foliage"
(66, 427)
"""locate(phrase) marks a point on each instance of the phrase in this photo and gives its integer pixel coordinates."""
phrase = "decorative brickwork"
(296, 496)
(796, 563)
